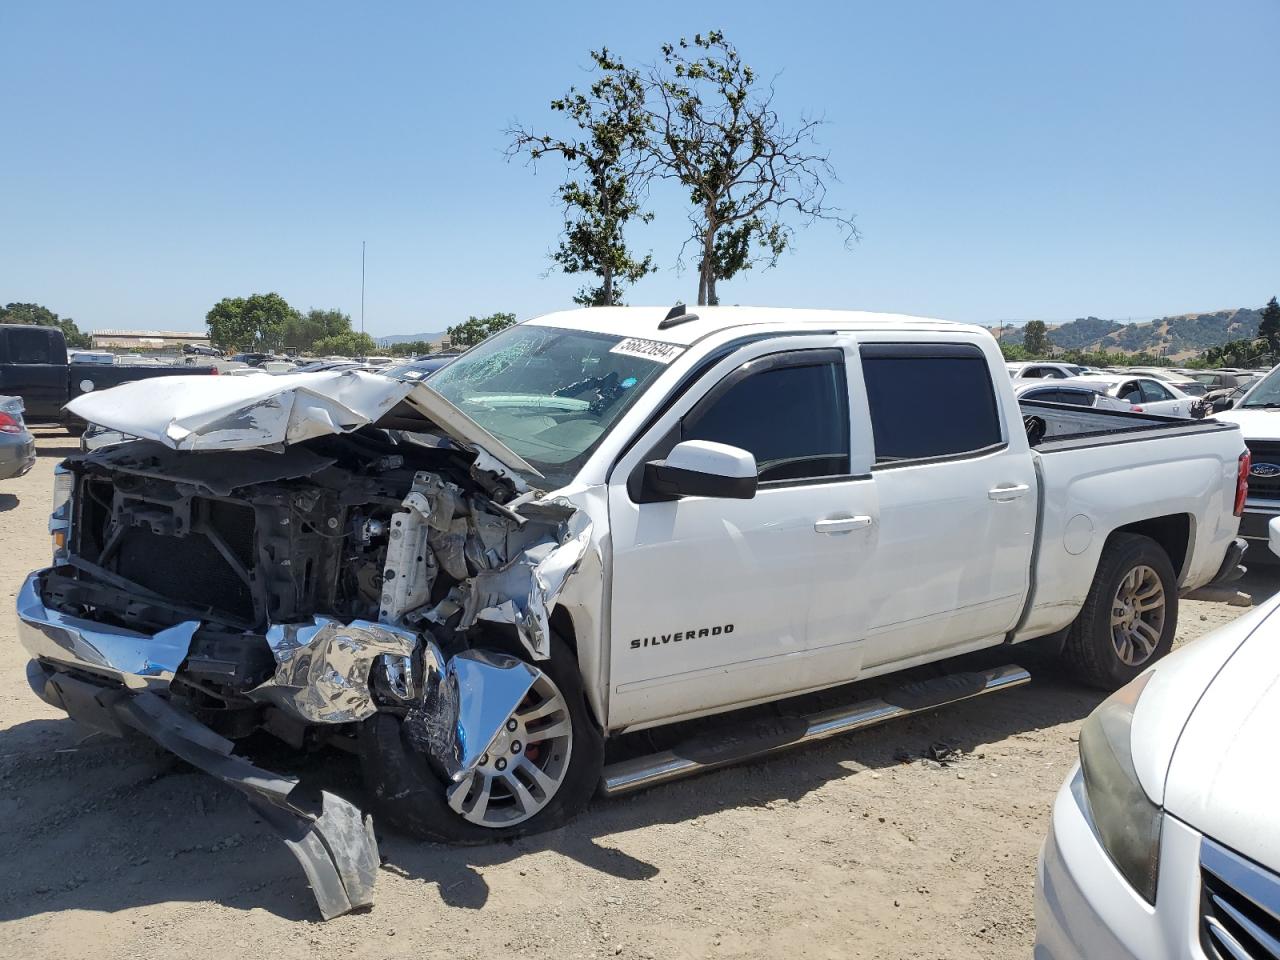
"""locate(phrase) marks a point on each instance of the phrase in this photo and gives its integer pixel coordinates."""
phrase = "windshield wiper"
(1271, 405)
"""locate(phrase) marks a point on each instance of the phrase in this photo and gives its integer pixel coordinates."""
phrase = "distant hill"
(411, 337)
(1177, 337)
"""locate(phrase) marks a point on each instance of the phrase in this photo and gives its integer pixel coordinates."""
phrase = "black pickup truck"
(34, 366)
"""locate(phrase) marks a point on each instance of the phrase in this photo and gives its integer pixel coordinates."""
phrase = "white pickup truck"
(598, 522)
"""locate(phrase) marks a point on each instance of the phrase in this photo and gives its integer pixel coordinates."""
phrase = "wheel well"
(1173, 533)
(562, 623)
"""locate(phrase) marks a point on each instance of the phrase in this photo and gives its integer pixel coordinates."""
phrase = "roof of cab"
(643, 321)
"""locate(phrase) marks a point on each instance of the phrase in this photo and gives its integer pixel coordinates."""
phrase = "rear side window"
(1081, 398)
(790, 412)
(929, 400)
(1152, 392)
(28, 346)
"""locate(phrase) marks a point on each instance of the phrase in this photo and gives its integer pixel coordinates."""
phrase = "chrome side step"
(781, 733)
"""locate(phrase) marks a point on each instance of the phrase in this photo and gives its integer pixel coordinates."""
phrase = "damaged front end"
(317, 562)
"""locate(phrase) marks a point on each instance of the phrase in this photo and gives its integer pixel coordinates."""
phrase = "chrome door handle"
(1011, 491)
(841, 524)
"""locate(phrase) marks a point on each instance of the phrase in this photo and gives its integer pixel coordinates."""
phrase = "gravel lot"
(861, 847)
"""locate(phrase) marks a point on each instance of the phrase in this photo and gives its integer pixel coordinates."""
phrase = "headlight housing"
(1127, 822)
(60, 519)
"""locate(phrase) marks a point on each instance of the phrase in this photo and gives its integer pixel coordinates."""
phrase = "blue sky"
(1004, 160)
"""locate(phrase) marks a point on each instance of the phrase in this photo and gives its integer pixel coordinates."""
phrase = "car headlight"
(1127, 822)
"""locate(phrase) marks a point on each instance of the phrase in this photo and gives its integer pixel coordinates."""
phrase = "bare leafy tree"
(608, 165)
(750, 175)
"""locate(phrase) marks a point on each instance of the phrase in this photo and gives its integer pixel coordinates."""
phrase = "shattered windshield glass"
(552, 394)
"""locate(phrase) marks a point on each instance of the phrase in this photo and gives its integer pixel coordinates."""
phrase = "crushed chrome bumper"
(138, 661)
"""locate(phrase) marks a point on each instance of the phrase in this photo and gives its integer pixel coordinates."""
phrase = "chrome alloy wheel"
(524, 766)
(1137, 616)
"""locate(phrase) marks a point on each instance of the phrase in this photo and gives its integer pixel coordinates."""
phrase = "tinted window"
(29, 346)
(793, 419)
(1081, 398)
(929, 401)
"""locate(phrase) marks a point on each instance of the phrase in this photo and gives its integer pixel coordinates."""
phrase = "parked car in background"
(91, 356)
(421, 368)
(319, 366)
(1228, 397)
(1038, 370)
(198, 350)
(1258, 415)
(1184, 383)
(1217, 379)
(1149, 395)
(1078, 392)
(252, 359)
(34, 366)
(17, 446)
(1164, 841)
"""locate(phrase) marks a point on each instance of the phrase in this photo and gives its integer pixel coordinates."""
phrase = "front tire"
(1129, 617)
(512, 793)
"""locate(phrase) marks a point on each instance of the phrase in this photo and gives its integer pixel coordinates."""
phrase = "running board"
(774, 734)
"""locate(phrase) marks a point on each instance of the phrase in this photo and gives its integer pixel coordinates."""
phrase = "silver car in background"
(17, 446)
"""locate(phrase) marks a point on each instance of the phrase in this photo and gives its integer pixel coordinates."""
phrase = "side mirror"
(701, 468)
(1273, 531)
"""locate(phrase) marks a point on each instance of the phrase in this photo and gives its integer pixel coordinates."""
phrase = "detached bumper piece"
(331, 839)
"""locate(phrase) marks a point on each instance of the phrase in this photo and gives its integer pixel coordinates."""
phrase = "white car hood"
(270, 412)
(1224, 780)
(1255, 424)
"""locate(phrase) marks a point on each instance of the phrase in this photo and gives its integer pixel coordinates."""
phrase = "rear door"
(957, 498)
(1156, 398)
(33, 366)
(719, 602)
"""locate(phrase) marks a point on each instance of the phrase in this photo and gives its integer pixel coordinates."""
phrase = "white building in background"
(145, 339)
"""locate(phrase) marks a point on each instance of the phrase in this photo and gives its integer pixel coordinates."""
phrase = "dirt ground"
(861, 847)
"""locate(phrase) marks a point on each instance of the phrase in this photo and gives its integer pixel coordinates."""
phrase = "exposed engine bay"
(407, 535)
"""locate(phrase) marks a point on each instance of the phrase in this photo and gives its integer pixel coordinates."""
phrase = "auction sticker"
(655, 350)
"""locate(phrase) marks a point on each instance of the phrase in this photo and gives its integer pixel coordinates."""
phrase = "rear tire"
(409, 795)
(1129, 617)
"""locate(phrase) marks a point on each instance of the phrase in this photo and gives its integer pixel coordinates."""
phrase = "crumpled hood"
(1224, 780)
(1255, 424)
(271, 412)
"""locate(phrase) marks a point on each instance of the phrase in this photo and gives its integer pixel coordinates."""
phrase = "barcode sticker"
(655, 350)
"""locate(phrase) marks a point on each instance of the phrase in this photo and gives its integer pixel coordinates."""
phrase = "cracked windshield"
(551, 394)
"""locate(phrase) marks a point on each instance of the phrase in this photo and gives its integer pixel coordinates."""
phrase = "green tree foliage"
(1238, 353)
(606, 159)
(349, 343)
(302, 330)
(1269, 326)
(1035, 338)
(41, 316)
(475, 329)
(748, 174)
(255, 323)
(410, 348)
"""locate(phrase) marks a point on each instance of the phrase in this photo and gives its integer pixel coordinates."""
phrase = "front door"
(720, 602)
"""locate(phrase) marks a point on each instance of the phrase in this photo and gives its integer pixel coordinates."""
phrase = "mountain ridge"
(1178, 336)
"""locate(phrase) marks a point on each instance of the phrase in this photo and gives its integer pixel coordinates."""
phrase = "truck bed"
(1070, 427)
(1102, 471)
